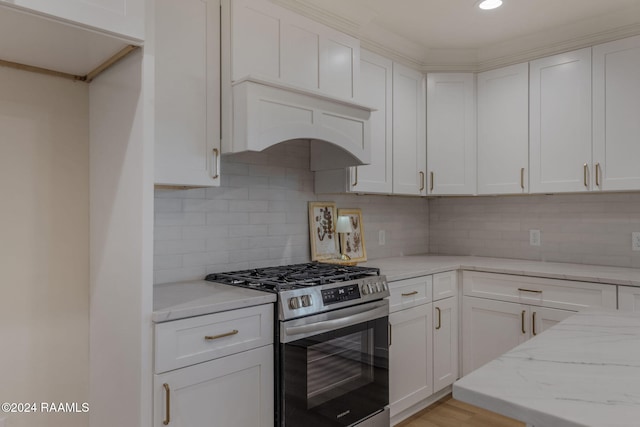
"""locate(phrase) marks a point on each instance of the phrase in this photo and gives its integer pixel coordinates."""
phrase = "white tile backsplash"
(584, 228)
(259, 218)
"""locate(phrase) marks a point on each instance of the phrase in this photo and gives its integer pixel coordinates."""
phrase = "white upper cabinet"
(376, 76)
(409, 136)
(187, 92)
(616, 115)
(560, 123)
(118, 17)
(503, 130)
(451, 133)
(271, 42)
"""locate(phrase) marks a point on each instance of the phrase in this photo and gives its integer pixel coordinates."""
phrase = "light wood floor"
(449, 412)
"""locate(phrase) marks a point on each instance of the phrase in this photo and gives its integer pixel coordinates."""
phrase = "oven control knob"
(306, 300)
(365, 289)
(294, 303)
(378, 287)
(384, 286)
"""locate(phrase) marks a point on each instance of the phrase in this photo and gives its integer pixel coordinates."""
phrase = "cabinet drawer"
(445, 285)
(410, 292)
(554, 293)
(198, 339)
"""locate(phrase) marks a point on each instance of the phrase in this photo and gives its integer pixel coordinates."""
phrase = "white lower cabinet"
(500, 311)
(424, 341)
(410, 369)
(445, 343)
(491, 328)
(629, 298)
(205, 365)
(208, 393)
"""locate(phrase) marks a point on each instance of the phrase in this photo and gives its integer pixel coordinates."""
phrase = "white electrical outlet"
(382, 238)
(635, 241)
(534, 237)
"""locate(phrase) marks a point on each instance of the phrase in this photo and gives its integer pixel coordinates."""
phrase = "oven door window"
(336, 378)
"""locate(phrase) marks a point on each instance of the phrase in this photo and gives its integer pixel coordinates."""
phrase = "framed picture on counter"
(322, 230)
(353, 242)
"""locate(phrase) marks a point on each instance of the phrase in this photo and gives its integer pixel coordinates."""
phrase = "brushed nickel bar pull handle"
(356, 180)
(522, 178)
(167, 403)
(533, 321)
(597, 174)
(215, 337)
(433, 175)
(585, 171)
(529, 290)
(522, 321)
(409, 294)
(216, 153)
(421, 180)
(439, 318)
(390, 339)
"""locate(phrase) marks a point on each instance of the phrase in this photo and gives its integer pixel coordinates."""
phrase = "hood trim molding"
(265, 113)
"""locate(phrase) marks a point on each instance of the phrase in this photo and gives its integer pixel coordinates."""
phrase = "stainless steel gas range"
(332, 352)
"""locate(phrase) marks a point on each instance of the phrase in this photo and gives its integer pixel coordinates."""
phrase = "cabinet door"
(543, 318)
(410, 357)
(560, 120)
(489, 329)
(209, 393)
(409, 138)
(187, 90)
(451, 133)
(121, 17)
(503, 130)
(616, 109)
(445, 343)
(376, 76)
(628, 298)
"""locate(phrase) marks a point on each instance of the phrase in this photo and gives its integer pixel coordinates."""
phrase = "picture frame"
(353, 243)
(322, 231)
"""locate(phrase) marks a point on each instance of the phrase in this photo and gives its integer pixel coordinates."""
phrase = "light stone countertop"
(173, 301)
(406, 267)
(584, 371)
(178, 300)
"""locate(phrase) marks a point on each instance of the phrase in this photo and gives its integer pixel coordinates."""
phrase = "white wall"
(579, 228)
(259, 217)
(44, 243)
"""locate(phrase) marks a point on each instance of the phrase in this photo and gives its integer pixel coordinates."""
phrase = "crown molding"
(424, 59)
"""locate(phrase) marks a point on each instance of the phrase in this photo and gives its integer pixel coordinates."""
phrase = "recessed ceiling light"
(489, 4)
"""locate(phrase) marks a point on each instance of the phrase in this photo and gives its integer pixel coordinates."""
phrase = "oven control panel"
(344, 293)
(332, 296)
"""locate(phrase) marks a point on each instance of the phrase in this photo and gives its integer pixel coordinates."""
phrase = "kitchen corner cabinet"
(376, 76)
(187, 91)
(451, 133)
(629, 298)
(205, 365)
(616, 109)
(123, 18)
(503, 130)
(560, 123)
(424, 339)
(500, 311)
(409, 133)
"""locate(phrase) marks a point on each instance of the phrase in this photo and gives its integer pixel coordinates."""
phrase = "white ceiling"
(457, 34)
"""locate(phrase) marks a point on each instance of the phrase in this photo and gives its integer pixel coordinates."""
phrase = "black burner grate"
(293, 276)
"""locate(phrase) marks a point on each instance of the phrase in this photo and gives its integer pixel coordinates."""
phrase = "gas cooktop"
(295, 276)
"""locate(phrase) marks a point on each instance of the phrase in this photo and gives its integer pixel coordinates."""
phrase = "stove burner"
(276, 279)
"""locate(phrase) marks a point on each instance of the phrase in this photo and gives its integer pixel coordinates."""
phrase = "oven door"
(335, 366)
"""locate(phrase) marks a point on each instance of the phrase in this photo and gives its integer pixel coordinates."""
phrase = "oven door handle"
(301, 331)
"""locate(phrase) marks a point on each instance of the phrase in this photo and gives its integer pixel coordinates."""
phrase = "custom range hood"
(285, 77)
(267, 113)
